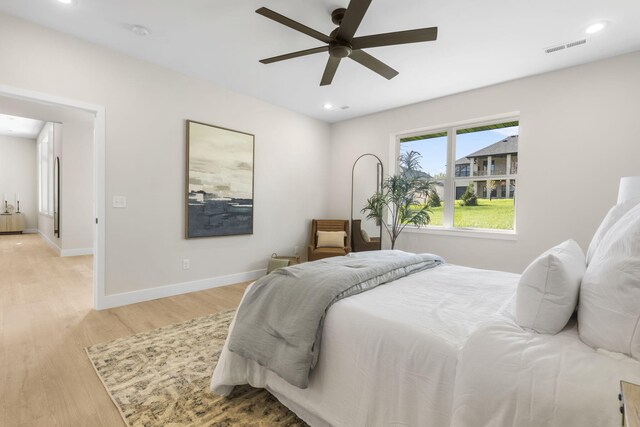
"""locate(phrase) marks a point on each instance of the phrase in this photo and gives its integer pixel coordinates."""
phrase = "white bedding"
(510, 377)
(441, 348)
(388, 356)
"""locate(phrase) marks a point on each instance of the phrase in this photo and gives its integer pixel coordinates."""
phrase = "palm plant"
(410, 164)
(400, 196)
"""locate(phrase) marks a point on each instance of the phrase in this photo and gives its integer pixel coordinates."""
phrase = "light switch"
(119, 202)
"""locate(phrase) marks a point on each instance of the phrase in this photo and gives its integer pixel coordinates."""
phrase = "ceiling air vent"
(576, 43)
(554, 48)
(565, 46)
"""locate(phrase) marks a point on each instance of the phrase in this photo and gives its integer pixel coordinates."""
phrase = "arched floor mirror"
(366, 179)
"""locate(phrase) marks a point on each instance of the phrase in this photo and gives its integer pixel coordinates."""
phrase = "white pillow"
(609, 310)
(365, 235)
(548, 289)
(331, 239)
(614, 214)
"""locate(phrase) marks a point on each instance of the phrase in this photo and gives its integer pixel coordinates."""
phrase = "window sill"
(465, 232)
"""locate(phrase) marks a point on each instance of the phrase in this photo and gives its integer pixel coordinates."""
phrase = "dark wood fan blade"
(400, 37)
(295, 54)
(330, 71)
(352, 19)
(293, 24)
(373, 64)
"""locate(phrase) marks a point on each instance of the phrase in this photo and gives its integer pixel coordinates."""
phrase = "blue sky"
(434, 150)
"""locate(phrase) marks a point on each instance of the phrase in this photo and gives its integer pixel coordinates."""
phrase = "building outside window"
(504, 167)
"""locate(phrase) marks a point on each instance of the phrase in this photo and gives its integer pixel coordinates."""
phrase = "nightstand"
(630, 404)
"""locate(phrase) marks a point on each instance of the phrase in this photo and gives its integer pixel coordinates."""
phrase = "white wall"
(18, 174)
(76, 184)
(146, 107)
(579, 133)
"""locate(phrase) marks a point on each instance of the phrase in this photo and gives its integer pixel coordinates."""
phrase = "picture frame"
(219, 181)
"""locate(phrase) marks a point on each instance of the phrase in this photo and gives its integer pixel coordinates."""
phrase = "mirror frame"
(56, 197)
(379, 177)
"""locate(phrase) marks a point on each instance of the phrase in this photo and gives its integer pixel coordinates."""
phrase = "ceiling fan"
(342, 43)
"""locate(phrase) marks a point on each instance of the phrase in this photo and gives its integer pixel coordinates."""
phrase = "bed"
(443, 347)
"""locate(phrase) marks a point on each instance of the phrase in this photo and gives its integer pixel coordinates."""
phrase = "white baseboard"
(50, 242)
(76, 252)
(126, 298)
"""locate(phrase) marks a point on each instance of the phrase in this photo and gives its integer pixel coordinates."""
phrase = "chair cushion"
(548, 289)
(336, 251)
(331, 239)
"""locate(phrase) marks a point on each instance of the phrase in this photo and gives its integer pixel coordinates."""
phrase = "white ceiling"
(479, 43)
(20, 127)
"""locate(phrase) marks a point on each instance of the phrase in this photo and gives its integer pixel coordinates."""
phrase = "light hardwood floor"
(46, 321)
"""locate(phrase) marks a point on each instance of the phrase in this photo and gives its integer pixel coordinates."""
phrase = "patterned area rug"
(161, 378)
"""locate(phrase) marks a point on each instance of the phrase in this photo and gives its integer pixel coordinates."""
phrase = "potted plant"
(402, 197)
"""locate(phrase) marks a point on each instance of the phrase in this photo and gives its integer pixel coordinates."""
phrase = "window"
(45, 170)
(476, 189)
(426, 157)
(462, 169)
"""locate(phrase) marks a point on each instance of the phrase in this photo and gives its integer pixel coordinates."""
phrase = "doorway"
(18, 101)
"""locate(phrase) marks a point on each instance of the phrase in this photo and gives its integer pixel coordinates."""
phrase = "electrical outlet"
(186, 264)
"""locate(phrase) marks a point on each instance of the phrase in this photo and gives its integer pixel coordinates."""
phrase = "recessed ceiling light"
(65, 1)
(140, 30)
(597, 27)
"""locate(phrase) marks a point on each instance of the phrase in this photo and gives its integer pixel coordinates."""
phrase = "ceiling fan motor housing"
(340, 49)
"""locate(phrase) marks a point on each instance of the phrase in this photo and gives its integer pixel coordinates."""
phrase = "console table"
(11, 223)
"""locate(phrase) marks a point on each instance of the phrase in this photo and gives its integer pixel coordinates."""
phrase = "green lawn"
(497, 213)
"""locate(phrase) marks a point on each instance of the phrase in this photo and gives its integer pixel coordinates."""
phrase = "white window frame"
(448, 229)
(45, 142)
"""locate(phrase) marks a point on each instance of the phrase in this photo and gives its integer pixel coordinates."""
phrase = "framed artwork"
(219, 189)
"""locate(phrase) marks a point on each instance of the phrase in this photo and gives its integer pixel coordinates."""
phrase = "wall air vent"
(566, 45)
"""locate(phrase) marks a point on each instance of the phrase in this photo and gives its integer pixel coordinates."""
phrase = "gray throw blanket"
(279, 323)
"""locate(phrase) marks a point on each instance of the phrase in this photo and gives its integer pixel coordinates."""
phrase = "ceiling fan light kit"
(342, 43)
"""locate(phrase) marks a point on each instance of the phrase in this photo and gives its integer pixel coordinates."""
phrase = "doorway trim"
(99, 176)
